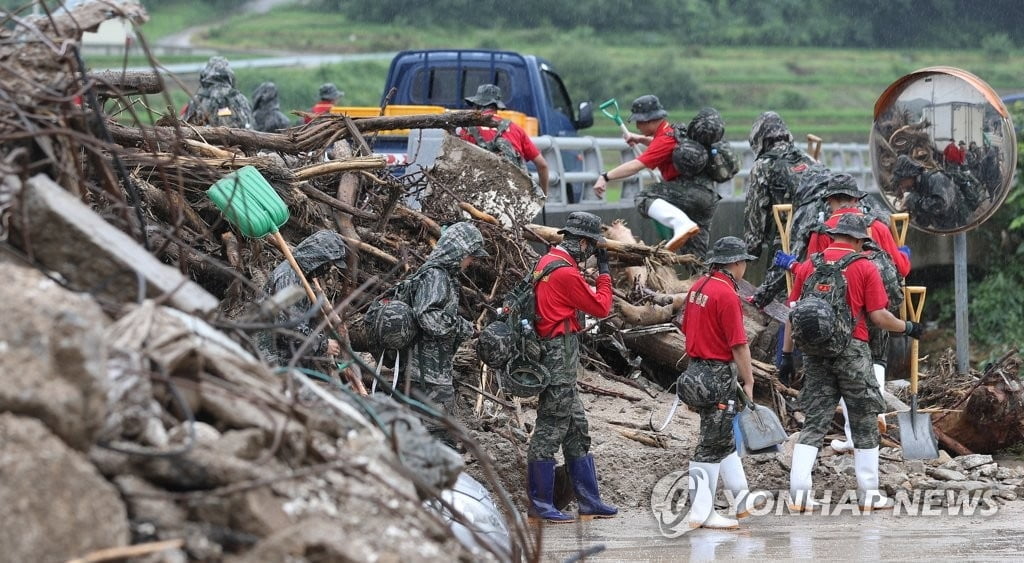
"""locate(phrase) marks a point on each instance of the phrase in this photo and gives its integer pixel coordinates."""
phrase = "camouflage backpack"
(515, 346)
(822, 321)
(891, 278)
(390, 320)
(689, 157)
(723, 163)
(499, 145)
(785, 174)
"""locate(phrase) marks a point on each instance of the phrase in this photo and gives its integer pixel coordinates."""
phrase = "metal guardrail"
(852, 158)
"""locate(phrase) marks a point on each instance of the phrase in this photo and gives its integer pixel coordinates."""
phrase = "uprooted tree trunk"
(992, 414)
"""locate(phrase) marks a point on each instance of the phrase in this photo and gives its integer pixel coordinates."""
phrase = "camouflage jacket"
(266, 109)
(317, 250)
(435, 306)
(764, 190)
(217, 102)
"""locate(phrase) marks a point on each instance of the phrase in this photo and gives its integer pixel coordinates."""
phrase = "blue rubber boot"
(584, 483)
(540, 477)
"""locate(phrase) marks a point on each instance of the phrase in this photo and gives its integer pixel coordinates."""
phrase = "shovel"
(614, 116)
(757, 427)
(783, 213)
(916, 434)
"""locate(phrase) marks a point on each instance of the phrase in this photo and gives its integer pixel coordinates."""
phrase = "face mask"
(573, 246)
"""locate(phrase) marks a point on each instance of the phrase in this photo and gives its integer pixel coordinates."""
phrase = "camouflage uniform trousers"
(849, 376)
(561, 421)
(697, 198)
(716, 437)
(429, 364)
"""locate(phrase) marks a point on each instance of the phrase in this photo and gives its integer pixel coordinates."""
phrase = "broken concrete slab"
(52, 356)
(66, 236)
(56, 505)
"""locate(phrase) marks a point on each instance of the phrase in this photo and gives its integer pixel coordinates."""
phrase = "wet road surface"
(635, 536)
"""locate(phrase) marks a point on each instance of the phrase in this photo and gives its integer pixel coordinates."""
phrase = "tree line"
(782, 23)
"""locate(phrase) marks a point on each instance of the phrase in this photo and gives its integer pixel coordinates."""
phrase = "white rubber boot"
(847, 446)
(734, 478)
(865, 462)
(671, 216)
(880, 378)
(702, 498)
(801, 490)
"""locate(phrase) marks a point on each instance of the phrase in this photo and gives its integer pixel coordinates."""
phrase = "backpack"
(891, 278)
(689, 157)
(390, 319)
(527, 376)
(723, 163)
(791, 176)
(499, 145)
(822, 321)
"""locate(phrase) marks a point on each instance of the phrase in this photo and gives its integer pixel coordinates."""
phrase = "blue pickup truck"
(445, 77)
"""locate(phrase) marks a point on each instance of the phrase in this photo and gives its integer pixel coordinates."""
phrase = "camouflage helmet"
(727, 250)
(852, 225)
(494, 347)
(329, 91)
(264, 94)
(695, 386)
(842, 184)
(392, 325)
(906, 167)
(768, 128)
(690, 158)
(487, 95)
(526, 379)
(707, 127)
(646, 108)
(583, 224)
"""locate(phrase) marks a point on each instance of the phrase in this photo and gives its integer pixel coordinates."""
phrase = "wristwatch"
(605, 176)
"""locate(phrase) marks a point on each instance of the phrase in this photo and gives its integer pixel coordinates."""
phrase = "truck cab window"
(474, 77)
(558, 98)
(449, 86)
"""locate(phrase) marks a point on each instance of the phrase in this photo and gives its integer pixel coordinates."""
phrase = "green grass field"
(828, 92)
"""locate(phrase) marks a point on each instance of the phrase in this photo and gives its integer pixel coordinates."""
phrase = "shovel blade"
(916, 435)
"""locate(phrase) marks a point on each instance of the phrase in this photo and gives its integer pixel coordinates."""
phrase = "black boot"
(584, 483)
(540, 477)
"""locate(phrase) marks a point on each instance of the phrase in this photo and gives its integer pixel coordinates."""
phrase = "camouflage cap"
(906, 167)
(707, 127)
(494, 346)
(217, 71)
(727, 250)
(486, 95)
(583, 224)
(329, 91)
(768, 127)
(690, 158)
(264, 93)
(646, 108)
(842, 184)
(851, 225)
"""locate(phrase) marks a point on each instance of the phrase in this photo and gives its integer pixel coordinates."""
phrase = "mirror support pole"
(963, 359)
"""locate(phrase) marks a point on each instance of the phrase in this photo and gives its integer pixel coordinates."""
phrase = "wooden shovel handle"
(783, 214)
(283, 247)
(898, 224)
(814, 146)
(913, 297)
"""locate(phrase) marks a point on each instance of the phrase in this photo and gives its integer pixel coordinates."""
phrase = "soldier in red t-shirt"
(489, 99)
(716, 343)
(686, 209)
(561, 298)
(847, 376)
(843, 197)
(329, 94)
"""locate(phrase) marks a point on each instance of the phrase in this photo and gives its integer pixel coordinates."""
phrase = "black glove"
(914, 330)
(602, 261)
(786, 367)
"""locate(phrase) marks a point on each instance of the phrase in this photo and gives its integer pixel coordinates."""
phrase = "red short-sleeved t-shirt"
(515, 135)
(713, 318)
(659, 152)
(864, 290)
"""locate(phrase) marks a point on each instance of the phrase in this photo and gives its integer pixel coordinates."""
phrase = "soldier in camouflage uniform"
(217, 101)
(848, 375)
(561, 298)
(929, 195)
(435, 306)
(266, 109)
(716, 343)
(314, 255)
(780, 170)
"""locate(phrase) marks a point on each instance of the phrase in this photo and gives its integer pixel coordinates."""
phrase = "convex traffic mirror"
(943, 149)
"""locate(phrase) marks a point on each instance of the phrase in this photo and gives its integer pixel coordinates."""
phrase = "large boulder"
(55, 504)
(52, 355)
